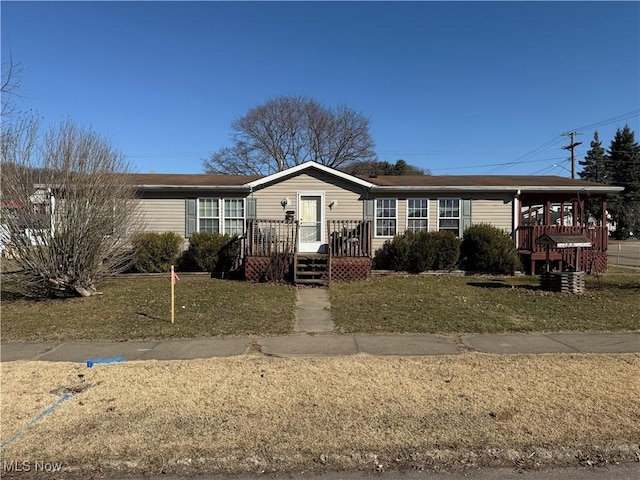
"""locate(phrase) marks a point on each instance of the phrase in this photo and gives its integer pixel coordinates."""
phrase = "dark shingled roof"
(191, 180)
(477, 181)
(388, 181)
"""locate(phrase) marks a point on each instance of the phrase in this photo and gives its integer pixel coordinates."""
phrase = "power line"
(525, 157)
(608, 121)
(496, 164)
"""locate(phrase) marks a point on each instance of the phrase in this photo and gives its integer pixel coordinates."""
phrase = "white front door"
(311, 217)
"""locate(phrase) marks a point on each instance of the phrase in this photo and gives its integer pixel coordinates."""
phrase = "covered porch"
(557, 214)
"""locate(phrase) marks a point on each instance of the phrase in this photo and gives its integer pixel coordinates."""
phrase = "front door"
(311, 216)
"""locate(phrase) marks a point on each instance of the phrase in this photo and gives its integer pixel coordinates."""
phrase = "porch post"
(547, 213)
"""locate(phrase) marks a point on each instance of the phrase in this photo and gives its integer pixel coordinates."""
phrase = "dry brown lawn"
(253, 413)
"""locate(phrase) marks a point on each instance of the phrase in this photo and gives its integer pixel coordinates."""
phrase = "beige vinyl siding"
(496, 210)
(346, 195)
(163, 215)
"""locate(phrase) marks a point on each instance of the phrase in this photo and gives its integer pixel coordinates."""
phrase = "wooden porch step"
(302, 281)
(315, 274)
(312, 269)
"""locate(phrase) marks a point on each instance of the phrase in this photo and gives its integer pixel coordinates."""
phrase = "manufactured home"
(331, 223)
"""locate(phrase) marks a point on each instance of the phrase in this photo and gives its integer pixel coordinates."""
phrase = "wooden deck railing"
(350, 238)
(266, 238)
(527, 236)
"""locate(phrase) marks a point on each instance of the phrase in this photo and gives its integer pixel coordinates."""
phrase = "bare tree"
(9, 85)
(288, 131)
(67, 207)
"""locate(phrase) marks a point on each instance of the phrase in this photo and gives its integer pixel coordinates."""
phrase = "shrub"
(447, 250)
(279, 268)
(394, 254)
(422, 253)
(418, 252)
(486, 248)
(210, 252)
(155, 252)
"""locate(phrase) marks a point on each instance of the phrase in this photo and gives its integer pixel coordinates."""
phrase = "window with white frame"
(217, 215)
(234, 216)
(449, 214)
(209, 215)
(386, 217)
(418, 214)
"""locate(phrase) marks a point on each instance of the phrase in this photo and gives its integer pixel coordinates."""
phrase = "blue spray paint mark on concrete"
(44, 413)
(95, 361)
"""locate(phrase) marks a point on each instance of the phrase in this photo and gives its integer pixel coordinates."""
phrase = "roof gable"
(304, 167)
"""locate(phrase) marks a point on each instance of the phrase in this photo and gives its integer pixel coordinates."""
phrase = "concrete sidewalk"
(323, 345)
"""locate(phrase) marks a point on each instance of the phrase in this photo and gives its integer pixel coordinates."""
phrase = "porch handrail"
(266, 238)
(350, 238)
(527, 235)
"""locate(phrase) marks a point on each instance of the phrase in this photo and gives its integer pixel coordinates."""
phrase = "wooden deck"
(591, 259)
(271, 252)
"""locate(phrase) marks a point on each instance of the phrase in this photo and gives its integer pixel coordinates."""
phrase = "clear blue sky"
(454, 87)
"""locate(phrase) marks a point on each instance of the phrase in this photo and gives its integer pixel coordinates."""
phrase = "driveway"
(625, 253)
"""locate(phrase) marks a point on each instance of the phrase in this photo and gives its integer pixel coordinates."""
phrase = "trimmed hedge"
(488, 249)
(155, 252)
(419, 252)
(210, 252)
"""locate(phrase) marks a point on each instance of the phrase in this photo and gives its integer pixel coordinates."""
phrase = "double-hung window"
(418, 214)
(449, 214)
(217, 215)
(209, 215)
(386, 217)
(234, 216)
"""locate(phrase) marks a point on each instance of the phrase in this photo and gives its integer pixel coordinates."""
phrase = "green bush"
(210, 252)
(418, 252)
(394, 253)
(447, 246)
(488, 249)
(155, 252)
(422, 253)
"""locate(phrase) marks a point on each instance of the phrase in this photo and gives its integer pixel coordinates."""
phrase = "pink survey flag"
(174, 276)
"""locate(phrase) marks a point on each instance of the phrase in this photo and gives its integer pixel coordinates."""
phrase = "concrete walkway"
(313, 311)
(323, 345)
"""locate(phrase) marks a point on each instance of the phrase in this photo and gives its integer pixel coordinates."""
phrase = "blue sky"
(454, 87)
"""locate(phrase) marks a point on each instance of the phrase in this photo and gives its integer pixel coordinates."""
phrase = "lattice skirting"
(346, 269)
(254, 267)
(260, 269)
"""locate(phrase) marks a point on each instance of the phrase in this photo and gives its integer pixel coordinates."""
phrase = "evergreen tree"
(595, 162)
(623, 165)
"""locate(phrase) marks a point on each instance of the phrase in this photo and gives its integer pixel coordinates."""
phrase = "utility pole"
(571, 147)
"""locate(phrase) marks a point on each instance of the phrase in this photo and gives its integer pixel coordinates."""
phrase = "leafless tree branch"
(288, 131)
(68, 207)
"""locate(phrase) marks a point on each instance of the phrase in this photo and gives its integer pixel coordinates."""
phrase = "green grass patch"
(140, 308)
(449, 304)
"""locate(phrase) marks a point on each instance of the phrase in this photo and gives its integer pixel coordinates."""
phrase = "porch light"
(333, 203)
(284, 202)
